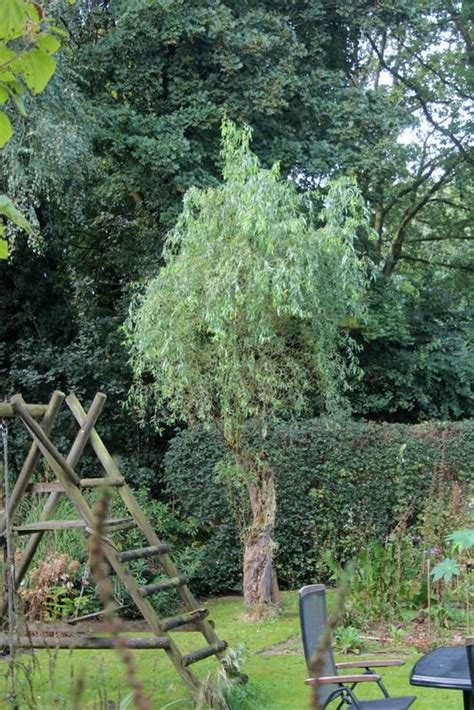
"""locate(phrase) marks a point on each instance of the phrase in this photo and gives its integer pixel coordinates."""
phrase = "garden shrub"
(337, 487)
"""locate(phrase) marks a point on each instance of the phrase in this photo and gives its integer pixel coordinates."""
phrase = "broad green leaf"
(445, 570)
(3, 244)
(13, 16)
(3, 95)
(7, 57)
(37, 68)
(18, 101)
(11, 211)
(6, 130)
(6, 54)
(34, 12)
(461, 540)
(47, 42)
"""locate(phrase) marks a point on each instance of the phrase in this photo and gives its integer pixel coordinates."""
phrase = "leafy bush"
(337, 489)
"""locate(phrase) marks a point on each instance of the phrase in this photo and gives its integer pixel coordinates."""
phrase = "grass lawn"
(273, 660)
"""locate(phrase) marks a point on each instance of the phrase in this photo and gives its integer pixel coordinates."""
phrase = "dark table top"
(445, 667)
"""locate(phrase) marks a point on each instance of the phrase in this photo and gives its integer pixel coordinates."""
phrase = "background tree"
(130, 120)
(246, 319)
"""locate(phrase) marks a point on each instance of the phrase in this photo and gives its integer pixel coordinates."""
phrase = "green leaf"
(13, 16)
(461, 540)
(7, 57)
(3, 248)
(11, 211)
(3, 95)
(19, 103)
(47, 42)
(37, 68)
(445, 570)
(6, 130)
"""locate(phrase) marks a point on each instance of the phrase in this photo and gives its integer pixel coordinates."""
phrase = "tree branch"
(422, 102)
(444, 264)
(395, 251)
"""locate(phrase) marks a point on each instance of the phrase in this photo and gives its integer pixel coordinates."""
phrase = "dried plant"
(99, 570)
(39, 597)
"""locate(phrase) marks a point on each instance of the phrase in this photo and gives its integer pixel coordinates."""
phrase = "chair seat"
(400, 703)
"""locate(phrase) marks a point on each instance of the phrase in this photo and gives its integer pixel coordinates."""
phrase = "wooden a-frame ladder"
(69, 483)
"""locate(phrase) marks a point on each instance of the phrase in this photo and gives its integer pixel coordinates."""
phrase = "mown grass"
(273, 659)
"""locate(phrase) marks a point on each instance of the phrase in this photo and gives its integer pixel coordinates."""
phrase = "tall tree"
(246, 319)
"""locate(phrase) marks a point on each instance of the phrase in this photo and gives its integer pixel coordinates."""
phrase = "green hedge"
(336, 489)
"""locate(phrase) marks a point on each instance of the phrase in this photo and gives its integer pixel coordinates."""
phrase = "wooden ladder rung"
(202, 653)
(173, 622)
(102, 482)
(48, 525)
(143, 552)
(100, 642)
(44, 526)
(45, 487)
(171, 583)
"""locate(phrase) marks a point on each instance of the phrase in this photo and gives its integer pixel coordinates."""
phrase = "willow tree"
(246, 319)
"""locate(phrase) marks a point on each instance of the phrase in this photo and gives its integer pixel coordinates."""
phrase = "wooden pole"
(53, 500)
(35, 410)
(32, 458)
(124, 575)
(77, 641)
(52, 455)
(147, 530)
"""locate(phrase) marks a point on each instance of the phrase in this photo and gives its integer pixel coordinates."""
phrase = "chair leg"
(379, 683)
(351, 697)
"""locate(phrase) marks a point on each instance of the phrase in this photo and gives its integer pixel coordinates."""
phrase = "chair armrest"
(371, 664)
(339, 679)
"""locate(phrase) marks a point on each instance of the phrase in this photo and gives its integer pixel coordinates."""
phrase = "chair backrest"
(470, 658)
(313, 622)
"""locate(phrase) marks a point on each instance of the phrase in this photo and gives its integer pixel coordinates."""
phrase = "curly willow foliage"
(246, 318)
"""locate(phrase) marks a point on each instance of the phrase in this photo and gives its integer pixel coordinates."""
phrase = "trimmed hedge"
(336, 489)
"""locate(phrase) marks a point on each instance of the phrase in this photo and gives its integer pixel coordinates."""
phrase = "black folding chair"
(332, 687)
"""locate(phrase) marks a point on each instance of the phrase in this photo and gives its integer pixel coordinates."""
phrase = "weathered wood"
(35, 410)
(380, 663)
(94, 615)
(45, 487)
(202, 653)
(334, 679)
(32, 459)
(173, 622)
(152, 538)
(101, 482)
(143, 552)
(87, 642)
(92, 625)
(48, 525)
(50, 452)
(130, 501)
(50, 506)
(163, 585)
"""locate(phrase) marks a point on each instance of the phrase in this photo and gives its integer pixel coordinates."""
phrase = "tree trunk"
(260, 584)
